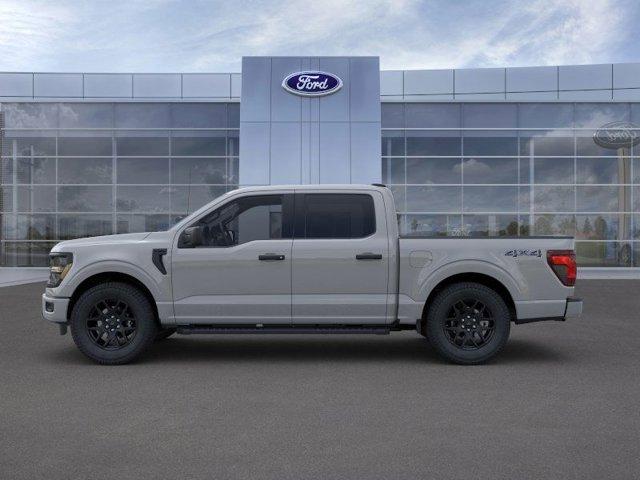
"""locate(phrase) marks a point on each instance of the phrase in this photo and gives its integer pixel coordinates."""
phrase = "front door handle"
(270, 256)
(369, 256)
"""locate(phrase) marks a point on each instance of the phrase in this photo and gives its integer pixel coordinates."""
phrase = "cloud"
(165, 35)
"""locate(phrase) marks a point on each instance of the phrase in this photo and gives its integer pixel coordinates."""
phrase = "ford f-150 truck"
(305, 259)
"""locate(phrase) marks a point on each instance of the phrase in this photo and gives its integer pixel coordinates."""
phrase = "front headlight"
(60, 264)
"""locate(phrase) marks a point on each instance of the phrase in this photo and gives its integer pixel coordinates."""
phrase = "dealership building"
(480, 152)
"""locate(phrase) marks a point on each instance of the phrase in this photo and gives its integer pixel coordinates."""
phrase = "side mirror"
(191, 237)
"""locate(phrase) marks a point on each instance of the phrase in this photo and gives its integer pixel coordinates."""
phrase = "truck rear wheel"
(113, 323)
(468, 323)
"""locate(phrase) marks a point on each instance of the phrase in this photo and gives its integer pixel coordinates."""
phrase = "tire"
(113, 323)
(468, 323)
(164, 333)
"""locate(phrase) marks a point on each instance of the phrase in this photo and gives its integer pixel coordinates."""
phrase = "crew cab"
(305, 259)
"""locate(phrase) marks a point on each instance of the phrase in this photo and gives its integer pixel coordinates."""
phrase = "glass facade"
(73, 170)
(516, 169)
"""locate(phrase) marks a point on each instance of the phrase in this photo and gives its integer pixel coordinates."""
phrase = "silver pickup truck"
(305, 259)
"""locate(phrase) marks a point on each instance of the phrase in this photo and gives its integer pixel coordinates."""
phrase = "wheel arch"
(480, 278)
(105, 277)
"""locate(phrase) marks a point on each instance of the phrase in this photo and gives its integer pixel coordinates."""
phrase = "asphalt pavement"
(562, 401)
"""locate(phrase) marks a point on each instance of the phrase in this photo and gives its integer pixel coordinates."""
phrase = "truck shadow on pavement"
(412, 350)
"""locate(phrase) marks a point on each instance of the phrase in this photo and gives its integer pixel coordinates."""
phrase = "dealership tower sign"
(312, 83)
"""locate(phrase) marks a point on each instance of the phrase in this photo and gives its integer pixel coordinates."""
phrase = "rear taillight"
(563, 264)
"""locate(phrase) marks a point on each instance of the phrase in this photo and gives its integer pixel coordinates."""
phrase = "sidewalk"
(20, 275)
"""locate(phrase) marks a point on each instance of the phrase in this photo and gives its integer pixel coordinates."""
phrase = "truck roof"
(337, 186)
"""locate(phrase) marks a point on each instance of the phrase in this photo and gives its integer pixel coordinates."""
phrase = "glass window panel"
(142, 115)
(545, 115)
(211, 145)
(6, 199)
(392, 143)
(434, 170)
(490, 170)
(142, 170)
(490, 143)
(490, 225)
(603, 254)
(603, 170)
(488, 115)
(636, 254)
(30, 115)
(233, 143)
(603, 227)
(524, 199)
(554, 199)
(85, 199)
(29, 227)
(433, 226)
(84, 225)
(392, 115)
(393, 171)
(598, 114)
(603, 199)
(90, 146)
(27, 254)
(432, 115)
(585, 145)
(36, 170)
(29, 146)
(490, 199)
(189, 199)
(143, 199)
(233, 112)
(330, 215)
(199, 170)
(36, 199)
(635, 234)
(134, 223)
(85, 170)
(524, 227)
(434, 143)
(399, 197)
(636, 170)
(553, 170)
(554, 225)
(199, 115)
(542, 144)
(83, 115)
(146, 146)
(434, 199)
(525, 170)
(6, 170)
(232, 171)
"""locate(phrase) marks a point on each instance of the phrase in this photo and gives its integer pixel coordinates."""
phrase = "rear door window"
(332, 215)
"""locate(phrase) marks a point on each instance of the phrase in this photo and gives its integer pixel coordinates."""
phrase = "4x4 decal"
(523, 253)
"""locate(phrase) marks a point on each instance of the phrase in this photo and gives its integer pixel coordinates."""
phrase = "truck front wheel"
(467, 323)
(113, 323)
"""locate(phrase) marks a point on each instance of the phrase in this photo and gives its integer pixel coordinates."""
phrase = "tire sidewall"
(146, 328)
(438, 315)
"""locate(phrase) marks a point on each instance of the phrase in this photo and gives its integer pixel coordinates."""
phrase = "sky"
(212, 36)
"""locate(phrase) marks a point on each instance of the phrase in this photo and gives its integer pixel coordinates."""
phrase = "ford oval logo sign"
(617, 135)
(312, 83)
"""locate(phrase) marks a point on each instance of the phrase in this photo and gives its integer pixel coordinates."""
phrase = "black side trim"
(520, 321)
(282, 329)
(156, 257)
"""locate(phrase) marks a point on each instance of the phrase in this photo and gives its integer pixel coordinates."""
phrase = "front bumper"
(54, 309)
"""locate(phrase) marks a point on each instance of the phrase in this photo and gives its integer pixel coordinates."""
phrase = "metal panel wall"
(291, 139)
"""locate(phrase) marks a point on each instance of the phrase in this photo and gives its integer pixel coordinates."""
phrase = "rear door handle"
(369, 256)
(270, 256)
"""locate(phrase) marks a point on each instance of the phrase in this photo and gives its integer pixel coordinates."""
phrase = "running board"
(220, 330)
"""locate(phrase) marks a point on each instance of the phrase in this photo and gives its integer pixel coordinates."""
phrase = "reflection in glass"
(134, 223)
(603, 170)
(434, 143)
(33, 254)
(490, 170)
(35, 170)
(392, 143)
(434, 199)
(490, 225)
(432, 226)
(142, 146)
(603, 227)
(89, 146)
(85, 170)
(546, 144)
(603, 198)
(434, 170)
(85, 199)
(393, 171)
(604, 254)
(199, 170)
(188, 199)
(490, 145)
(36, 199)
(554, 225)
(432, 115)
(490, 199)
(553, 170)
(392, 115)
(141, 198)
(202, 146)
(142, 170)
(84, 225)
(554, 199)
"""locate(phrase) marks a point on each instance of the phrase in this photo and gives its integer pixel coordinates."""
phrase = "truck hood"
(102, 240)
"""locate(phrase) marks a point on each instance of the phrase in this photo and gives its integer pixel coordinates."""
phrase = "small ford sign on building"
(312, 83)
